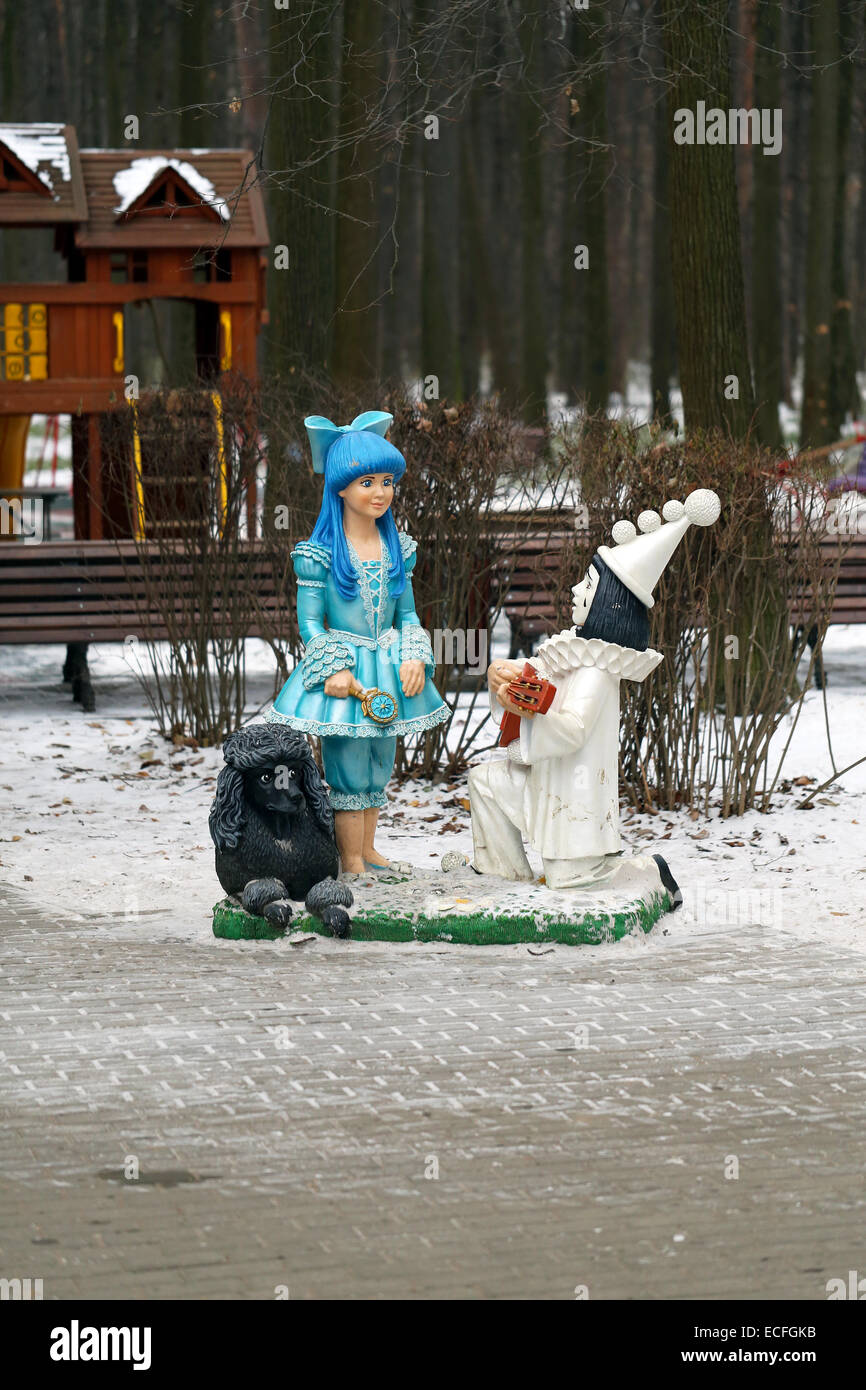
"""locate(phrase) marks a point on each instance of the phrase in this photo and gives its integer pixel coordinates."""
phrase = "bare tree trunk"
(356, 329)
(663, 331)
(470, 296)
(251, 60)
(593, 197)
(533, 376)
(298, 181)
(795, 186)
(440, 351)
(819, 425)
(844, 394)
(195, 23)
(570, 315)
(705, 233)
(766, 267)
(116, 37)
(498, 331)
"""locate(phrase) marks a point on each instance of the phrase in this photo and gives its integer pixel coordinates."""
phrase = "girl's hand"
(341, 684)
(412, 677)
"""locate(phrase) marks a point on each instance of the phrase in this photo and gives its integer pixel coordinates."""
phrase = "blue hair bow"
(322, 432)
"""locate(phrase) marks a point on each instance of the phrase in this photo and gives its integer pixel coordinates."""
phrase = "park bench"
(96, 591)
(528, 580)
(526, 574)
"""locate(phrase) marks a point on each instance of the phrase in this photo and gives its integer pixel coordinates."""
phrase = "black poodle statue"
(273, 828)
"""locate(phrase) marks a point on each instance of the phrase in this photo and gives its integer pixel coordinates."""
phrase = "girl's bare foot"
(373, 856)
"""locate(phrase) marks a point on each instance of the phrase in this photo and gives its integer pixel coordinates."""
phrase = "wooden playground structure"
(132, 226)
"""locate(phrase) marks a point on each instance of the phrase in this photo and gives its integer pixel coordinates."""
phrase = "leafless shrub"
(179, 500)
(733, 611)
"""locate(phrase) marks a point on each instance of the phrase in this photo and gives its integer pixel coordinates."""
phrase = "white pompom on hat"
(639, 560)
(702, 507)
(623, 532)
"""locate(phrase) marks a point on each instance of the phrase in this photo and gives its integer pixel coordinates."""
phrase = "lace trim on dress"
(324, 655)
(415, 646)
(311, 550)
(327, 730)
(372, 577)
(357, 801)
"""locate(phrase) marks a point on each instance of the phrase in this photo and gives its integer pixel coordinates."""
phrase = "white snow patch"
(131, 182)
(101, 816)
(42, 148)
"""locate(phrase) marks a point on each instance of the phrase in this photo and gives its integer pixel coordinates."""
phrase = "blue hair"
(353, 455)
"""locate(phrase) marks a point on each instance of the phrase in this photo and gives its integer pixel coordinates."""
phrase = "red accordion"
(530, 692)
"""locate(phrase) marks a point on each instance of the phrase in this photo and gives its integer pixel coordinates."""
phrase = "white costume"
(559, 784)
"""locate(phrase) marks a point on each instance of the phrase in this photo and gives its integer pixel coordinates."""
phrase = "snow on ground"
(100, 815)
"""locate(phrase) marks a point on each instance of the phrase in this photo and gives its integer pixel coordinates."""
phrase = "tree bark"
(818, 423)
(355, 355)
(195, 24)
(533, 357)
(663, 331)
(298, 183)
(766, 264)
(844, 393)
(705, 232)
(594, 162)
(440, 348)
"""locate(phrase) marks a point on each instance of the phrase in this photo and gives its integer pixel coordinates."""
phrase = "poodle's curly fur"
(273, 827)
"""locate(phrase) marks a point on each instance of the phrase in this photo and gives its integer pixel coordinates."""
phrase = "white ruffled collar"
(567, 652)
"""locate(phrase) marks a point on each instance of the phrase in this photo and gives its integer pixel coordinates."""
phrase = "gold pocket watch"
(378, 705)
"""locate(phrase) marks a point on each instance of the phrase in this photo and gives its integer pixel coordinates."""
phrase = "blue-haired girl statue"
(357, 619)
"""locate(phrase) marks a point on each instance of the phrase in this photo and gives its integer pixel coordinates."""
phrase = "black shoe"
(669, 882)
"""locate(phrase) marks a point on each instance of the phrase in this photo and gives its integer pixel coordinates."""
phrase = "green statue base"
(468, 909)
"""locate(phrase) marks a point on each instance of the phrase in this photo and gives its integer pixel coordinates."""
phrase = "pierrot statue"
(558, 785)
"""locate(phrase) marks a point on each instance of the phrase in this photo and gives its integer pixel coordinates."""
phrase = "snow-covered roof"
(130, 183)
(42, 148)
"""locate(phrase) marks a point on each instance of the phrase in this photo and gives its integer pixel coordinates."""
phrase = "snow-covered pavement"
(677, 1115)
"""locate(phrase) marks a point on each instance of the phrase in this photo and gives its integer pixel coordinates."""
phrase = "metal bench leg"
(77, 671)
(820, 678)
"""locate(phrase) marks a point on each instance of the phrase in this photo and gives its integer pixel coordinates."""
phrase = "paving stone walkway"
(356, 1120)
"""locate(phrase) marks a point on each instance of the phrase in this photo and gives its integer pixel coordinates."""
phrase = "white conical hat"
(639, 560)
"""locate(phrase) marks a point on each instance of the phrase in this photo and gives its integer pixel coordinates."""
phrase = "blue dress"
(371, 634)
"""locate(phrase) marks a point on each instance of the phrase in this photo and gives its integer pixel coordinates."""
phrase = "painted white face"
(583, 595)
